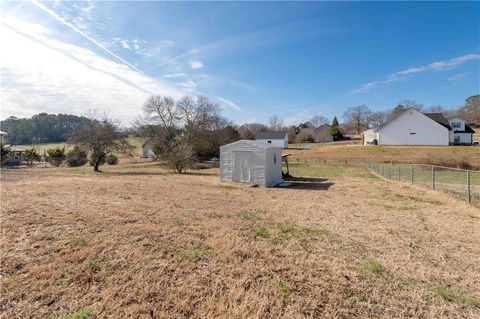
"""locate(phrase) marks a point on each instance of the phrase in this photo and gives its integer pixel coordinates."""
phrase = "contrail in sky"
(83, 34)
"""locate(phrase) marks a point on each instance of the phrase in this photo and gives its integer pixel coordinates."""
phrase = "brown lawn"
(139, 242)
(438, 155)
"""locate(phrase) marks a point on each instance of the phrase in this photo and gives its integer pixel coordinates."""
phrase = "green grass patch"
(286, 227)
(445, 294)
(261, 232)
(285, 288)
(449, 295)
(373, 266)
(84, 313)
(315, 230)
(191, 254)
(246, 215)
(178, 222)
(94, 265)
(78, 242)
(227, 186)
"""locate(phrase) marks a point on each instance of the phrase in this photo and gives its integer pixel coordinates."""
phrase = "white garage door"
(242, 171)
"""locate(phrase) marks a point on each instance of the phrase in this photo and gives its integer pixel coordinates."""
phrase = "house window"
(456, 125)
(456, 139)
(274, 158)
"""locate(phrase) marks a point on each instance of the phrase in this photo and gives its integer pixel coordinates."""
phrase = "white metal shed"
(251, 162)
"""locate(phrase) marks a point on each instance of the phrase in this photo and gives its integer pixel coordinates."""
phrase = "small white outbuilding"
(252, 162)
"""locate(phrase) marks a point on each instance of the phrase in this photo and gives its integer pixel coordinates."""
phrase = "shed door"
(243, 162)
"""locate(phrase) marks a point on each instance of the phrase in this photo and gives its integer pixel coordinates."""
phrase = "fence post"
(469, 197)
(389, 172)
(398, 172)
(413, 171)
(433, 176)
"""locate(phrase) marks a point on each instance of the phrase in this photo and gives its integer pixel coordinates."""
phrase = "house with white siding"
(276, 138)
(412, 127)
(461, 132)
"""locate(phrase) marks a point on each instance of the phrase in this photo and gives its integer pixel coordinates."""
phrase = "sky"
(255, 59)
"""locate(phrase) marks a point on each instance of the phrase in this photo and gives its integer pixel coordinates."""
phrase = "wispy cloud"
(195, 64)
(299, 117)
(66, 78)
(83, 34)
(404, 74)
(229, 104)
(459, 77)
(175, 75)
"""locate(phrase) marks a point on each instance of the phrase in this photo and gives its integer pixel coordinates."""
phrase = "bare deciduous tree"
(275, 123)
(318, 120)
(379, 118)
(249, 130)
(100, 136)
(181, 130)
(357, 117)
(471, 110)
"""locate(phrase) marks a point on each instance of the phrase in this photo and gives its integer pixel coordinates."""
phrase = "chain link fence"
(460, 183)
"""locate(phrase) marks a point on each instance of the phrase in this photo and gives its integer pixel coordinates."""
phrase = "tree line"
(181, 131)
(41, 128)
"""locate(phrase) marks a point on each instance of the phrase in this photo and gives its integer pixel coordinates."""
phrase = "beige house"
(320, 134)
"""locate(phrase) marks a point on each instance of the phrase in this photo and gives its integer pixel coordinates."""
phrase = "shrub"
(76, 157)
(56, 156)
(92, 160)
(5, 153)
(31, 156)
(112, 159)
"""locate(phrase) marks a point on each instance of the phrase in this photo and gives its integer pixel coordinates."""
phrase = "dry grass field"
(398, 154)
(137, 241)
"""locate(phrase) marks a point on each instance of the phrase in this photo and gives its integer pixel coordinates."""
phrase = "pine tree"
(335, 130)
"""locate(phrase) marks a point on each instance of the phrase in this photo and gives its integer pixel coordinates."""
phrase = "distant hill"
(41, 128)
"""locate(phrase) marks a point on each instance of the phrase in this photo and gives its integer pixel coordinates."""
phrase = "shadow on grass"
(308, 183)
(130, 173)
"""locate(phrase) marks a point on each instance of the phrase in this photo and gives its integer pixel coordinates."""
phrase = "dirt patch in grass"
(139, 242)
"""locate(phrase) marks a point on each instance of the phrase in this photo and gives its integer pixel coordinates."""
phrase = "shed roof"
(271, 135)
(258, 144)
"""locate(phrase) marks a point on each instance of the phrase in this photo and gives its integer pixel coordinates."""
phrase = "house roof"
(258, 144)
(439, 118)
(468, 129)
(271, 135)
(322, 127)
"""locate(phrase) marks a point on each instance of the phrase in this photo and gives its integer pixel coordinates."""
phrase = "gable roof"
(271, 135)
(436, 117)
(323, 126)
(468, 129)
(258, 144)
(439, 118)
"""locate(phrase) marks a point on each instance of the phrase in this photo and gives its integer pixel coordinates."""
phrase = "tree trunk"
(97, 164)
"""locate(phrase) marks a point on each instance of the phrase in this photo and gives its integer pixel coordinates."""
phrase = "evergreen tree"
(335, 130)
(56, 156)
